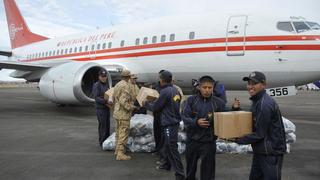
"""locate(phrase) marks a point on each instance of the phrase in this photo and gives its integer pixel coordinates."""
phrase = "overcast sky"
(54, 18)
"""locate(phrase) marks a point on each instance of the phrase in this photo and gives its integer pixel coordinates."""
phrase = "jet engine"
(71, 83)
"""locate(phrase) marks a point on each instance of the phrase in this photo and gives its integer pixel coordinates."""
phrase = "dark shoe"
(179, 177)
(160, 167)
(161, 162)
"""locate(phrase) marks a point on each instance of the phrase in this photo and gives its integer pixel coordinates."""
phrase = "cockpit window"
(297, 26)
(313, 25)
(285, 26)
(301, 26)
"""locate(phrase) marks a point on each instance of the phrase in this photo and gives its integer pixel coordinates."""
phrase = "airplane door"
(236, 29)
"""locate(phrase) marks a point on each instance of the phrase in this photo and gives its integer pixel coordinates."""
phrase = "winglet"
(19, 32)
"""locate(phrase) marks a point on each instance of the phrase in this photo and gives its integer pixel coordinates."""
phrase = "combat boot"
(122, 157)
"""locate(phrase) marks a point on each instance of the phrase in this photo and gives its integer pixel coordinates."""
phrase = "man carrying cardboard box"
(198, 118)
(268, 137)
(123, 107)
(102, 106)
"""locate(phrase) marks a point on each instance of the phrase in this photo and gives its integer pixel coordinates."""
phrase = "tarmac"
(42, 141)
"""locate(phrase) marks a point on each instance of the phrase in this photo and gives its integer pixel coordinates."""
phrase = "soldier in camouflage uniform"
(123, 108)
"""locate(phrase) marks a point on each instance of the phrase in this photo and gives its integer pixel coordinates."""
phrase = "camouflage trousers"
(122, 134)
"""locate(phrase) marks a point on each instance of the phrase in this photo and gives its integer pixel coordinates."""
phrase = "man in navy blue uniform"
(169, 104)
(197, 115)
(268, 137)
(102, 110)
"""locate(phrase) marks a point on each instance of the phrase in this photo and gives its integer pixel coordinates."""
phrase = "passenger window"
(301, 27)
(104, 46)
(66, 51)
(75, 49)
(92, 47)
(58, 51)
(145, 40)
(53, 53)
(98, 47)
(109, 45)
(163, 38)
(86, 49)
(42, 54)
(61, 52)
(122, 43)
(191, 35)
(46, 54)
(154, 39)
(49, 53)
(70, 50)
(80, 49)
(137, 41)
(172, 36)
(285, 26)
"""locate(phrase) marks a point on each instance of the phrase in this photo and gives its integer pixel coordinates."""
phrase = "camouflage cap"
(125, 73)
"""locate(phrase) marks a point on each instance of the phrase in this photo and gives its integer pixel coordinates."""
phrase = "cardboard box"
(233, 124)
(147, 94)
(108, 94)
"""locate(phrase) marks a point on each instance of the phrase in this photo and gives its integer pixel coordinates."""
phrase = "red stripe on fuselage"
(204, 49)
(199, 41)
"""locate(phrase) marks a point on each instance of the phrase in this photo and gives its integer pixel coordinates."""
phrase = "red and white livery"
(226, 47)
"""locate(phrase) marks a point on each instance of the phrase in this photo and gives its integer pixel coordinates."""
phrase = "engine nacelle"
(70, 83)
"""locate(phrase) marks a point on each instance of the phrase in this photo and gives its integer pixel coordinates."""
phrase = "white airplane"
(226, 47)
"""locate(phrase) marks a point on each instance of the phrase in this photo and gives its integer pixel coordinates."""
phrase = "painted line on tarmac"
(305, 122)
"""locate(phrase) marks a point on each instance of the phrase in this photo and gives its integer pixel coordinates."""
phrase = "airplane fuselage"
(226, 48)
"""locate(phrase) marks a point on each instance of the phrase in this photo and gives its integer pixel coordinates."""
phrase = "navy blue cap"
(256, 76)
(166, 75)
(102, 72)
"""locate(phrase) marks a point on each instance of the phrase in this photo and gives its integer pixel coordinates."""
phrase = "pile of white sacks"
(141, 137)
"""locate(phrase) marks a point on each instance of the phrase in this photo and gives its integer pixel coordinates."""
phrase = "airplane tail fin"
(317, 83)
(19, 32)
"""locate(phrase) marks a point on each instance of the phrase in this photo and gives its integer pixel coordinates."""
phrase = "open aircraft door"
(236, 35)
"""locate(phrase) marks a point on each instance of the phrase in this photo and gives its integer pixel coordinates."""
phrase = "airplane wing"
(22, 66)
